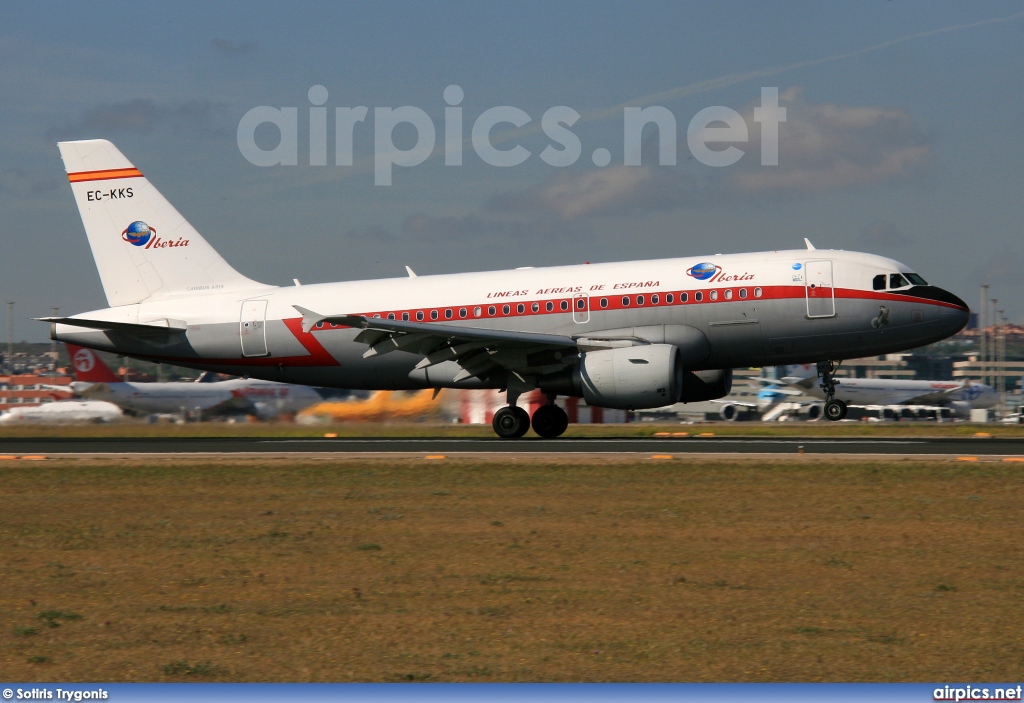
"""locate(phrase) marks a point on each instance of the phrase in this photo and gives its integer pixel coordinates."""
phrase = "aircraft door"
(581, 308)
(252, 328)
(818, 285)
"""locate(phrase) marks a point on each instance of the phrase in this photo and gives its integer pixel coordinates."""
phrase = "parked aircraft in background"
(959, 396)
(63, 411)
(238, 396)
(762, 399)
(630, 335)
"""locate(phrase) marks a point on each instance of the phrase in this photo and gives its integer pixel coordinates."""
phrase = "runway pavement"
(525, 446)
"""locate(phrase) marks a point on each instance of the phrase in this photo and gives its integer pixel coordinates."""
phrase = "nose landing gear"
(834, 409)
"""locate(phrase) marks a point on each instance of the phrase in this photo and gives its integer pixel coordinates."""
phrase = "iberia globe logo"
(702, 272)
(138, 233)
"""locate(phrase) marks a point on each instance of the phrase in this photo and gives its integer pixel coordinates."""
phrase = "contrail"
(734, 78)
(597, 114)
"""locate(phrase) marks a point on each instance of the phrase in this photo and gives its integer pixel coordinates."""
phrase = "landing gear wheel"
(835, 410)
(550, 421)
(511, 422)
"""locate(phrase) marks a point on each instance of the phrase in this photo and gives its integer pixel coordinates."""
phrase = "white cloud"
(827, 146)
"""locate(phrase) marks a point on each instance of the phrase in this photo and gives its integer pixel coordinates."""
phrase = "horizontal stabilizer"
(161, 327)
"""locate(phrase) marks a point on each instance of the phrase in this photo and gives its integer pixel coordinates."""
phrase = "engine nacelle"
(729, 412)
(628, 378)
(706, 385)
(961, 409)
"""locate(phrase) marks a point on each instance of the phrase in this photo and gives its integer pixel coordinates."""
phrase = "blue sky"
(903, 134)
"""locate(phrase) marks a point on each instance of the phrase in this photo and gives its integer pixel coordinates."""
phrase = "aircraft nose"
(958, 314)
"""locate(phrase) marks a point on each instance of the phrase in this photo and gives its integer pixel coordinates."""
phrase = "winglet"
(412, 274)
(309, 318)
(808, 243)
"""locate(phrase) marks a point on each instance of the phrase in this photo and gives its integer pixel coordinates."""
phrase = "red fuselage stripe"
(319, 356)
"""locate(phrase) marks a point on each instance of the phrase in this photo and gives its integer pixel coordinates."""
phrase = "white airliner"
(63, 411)
(959, 396)
(264, 399)
(631, 335)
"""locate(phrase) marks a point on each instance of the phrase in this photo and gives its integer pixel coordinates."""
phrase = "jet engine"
(629, 378)
(729, 412)
(706, 385)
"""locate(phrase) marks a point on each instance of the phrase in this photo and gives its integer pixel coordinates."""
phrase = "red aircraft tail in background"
(89, 367)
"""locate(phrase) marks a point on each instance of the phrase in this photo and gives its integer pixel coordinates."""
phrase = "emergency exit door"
(252, 328)
(818, 285)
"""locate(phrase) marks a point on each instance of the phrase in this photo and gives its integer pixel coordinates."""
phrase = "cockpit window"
(917, 280)
(878, 283)
(897, 281)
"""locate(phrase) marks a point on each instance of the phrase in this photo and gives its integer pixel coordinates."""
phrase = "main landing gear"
(834, 409)
(512, 422)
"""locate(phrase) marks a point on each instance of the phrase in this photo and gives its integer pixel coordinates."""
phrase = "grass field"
(511, 570)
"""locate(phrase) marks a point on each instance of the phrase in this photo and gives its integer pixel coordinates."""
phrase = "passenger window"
(757, 292)
(878, 282)
(462, 312)
(549, 306)
(520, 309)
(491, 310)
(698, 296)
(506, 309)
(564, 305)
(433, 314)
(478, 311)
(535, 307)
(897, 281)
(728, 293)
(669, 299)
(581, 304)
(655, 299)
(639, 300)
(405, 316)
(391, 316)
(419, 314)
(625, 301)
(604, 302)
(743, 292)
(714, 295)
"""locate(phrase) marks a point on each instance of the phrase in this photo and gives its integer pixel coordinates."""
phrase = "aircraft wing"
(775, 386)
(232, 406)
(477, 350)
(738, 403)
(937, 397)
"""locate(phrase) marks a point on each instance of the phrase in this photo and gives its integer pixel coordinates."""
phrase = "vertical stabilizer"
(89, 367)
(143, 248)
